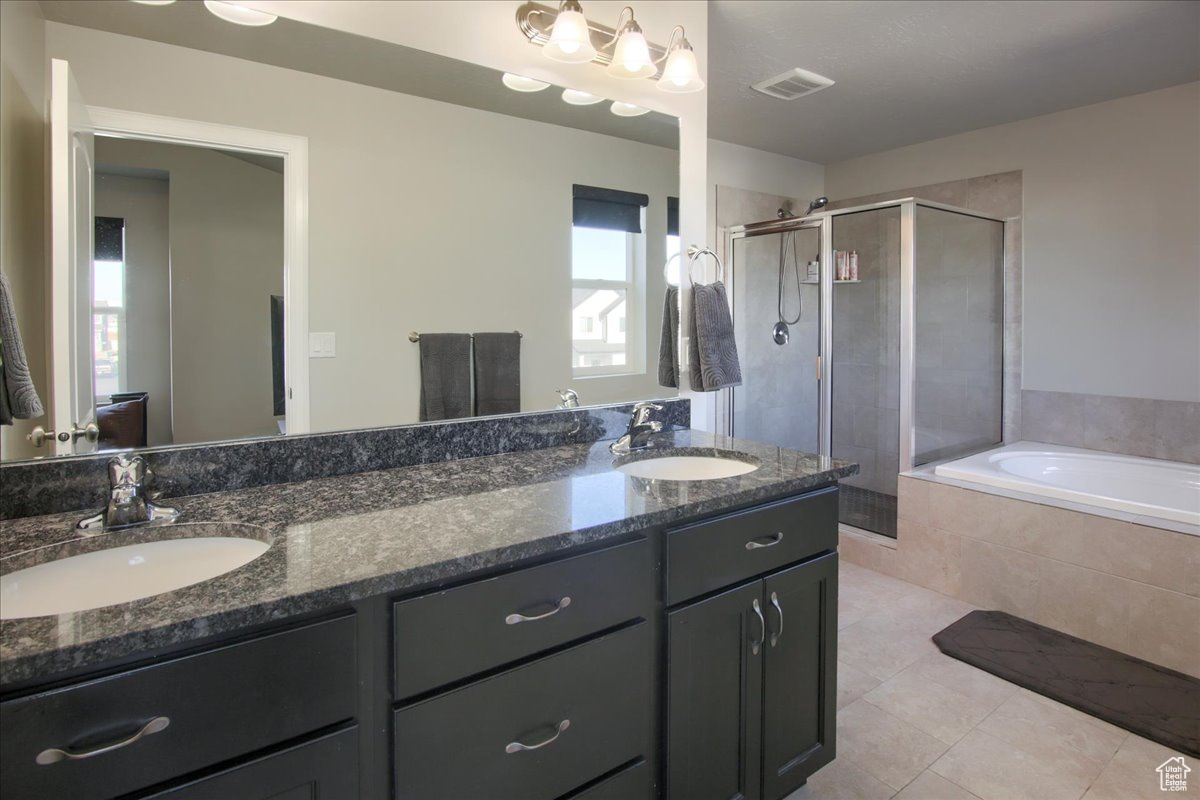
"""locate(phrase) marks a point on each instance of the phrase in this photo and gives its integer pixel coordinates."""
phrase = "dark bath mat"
(1143, 698)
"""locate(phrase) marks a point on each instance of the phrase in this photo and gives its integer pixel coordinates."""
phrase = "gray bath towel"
(712, 350)
(668, 345)
(445, 376)
(497, 373)
(22, 401)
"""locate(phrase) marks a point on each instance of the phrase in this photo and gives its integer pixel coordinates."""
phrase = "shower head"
(820, 202)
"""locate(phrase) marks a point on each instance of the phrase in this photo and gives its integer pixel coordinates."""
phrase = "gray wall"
(146, 361)
(226, 239)
(1111, 255)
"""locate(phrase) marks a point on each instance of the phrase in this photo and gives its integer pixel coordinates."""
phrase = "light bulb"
(627, 109)
(578, 98)
(570, 38)
(681, 74)
(154, 2)
(239, 15)
(519, 83)
(631, 58)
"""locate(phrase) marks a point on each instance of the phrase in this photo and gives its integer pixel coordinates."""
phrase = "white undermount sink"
(160, 559)
(686, 468)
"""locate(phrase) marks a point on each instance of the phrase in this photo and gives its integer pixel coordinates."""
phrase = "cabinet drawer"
(451, 635)
(220, 704)
(631, 783)
(534, 732)
(720, 552)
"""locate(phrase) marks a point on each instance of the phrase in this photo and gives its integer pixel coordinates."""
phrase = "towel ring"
(667, 270)
(694, 252)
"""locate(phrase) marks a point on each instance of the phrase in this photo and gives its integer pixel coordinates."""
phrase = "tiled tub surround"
(1134, 588)
(1168, 429)
(339, 539)
(46, 486)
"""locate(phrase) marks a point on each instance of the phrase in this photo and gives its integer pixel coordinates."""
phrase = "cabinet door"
(800, 687)
(323, 768)
(714, 701)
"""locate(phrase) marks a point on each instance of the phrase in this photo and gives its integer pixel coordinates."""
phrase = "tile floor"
(914, 724)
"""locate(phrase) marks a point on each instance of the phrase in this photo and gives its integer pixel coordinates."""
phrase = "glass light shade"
(239, 15)
(631, 59)
(627, 109)
(519, 83)
(570, 39)
(154, 2)
(578, 98)
(681, 74)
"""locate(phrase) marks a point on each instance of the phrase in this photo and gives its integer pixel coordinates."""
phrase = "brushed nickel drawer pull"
(775, 602)
(53, 755)
(756, 544)
(762, 628)
(513, 619)
(516, 747)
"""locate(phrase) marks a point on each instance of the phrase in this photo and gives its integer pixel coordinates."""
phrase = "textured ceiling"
(908, 72)
(335, 54)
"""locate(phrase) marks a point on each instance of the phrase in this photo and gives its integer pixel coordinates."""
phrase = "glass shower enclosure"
(893, 359)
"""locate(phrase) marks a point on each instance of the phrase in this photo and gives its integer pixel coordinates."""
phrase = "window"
(108, 306)
(608, 254)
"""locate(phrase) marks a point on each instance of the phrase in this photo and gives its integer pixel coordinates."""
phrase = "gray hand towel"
(668, 345)
(445, 376)
(497, 373)
(23, 401)
(714, 359)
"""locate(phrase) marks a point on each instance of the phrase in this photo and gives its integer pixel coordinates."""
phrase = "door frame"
(293, 150)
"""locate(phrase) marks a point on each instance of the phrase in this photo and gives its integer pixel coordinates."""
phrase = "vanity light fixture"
(566, 35)
(681, 73)
(577, 98)
(519, 83)
(570, 38)
(154, 2)
(239, 15)
(631, 58)
(622, 109)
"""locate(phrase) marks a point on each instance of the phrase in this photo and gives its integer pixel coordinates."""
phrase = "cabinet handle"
(55, 754)
(762, 627)
(516, 747)
(513, 619)
(775, 602)
(757, 544)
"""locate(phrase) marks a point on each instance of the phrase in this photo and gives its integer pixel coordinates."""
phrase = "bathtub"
(1149, 487)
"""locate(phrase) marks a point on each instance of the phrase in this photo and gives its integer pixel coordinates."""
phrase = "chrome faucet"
(637, 436)
(567, 398)
(128, 500)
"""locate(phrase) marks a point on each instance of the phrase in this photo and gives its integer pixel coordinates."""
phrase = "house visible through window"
(607, 281)
(108, 306)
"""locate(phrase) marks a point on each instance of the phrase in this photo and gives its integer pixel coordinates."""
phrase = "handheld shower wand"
(819, 203)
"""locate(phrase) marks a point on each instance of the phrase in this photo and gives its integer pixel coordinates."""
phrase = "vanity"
(531, 624)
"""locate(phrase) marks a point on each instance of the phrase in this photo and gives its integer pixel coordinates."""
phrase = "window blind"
(609, 209)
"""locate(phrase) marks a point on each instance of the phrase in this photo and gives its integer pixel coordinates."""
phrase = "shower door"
(779, 399)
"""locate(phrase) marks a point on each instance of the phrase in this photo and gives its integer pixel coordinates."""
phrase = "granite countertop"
(336, 540)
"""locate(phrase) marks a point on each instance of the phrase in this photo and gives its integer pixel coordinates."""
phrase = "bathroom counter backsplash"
(344, 538)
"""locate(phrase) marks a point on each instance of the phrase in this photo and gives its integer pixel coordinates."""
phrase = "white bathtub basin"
(129, 572)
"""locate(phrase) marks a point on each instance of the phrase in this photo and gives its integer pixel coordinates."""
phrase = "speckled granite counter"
(340, 539)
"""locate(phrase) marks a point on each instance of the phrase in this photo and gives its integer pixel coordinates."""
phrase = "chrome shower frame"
(825, 346)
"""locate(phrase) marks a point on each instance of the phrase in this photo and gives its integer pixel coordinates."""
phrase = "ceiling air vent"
(792, 84)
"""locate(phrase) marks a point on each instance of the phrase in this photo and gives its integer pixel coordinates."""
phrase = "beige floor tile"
(925, 611)
(853, 609)
(880, 647)
(842, 780)
(1055, 730)
(1132, 773)
(965, 679)
(890, 749)
(994, 769)
(929, 706)
(852, 683)
(1081, 716)
(931, 786)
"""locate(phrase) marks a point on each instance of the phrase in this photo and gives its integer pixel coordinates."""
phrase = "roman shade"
(610, 209)
(110, 239)
(672, 216)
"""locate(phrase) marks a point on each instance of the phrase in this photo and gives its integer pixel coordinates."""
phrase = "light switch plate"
(322, 345)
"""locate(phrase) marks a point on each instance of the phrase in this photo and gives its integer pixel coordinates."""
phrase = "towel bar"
(415, 337)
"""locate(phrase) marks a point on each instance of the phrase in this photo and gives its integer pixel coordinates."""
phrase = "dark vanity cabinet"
(688, 663)
(751, 670)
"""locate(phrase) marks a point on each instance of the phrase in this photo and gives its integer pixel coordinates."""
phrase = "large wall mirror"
(289, 229)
